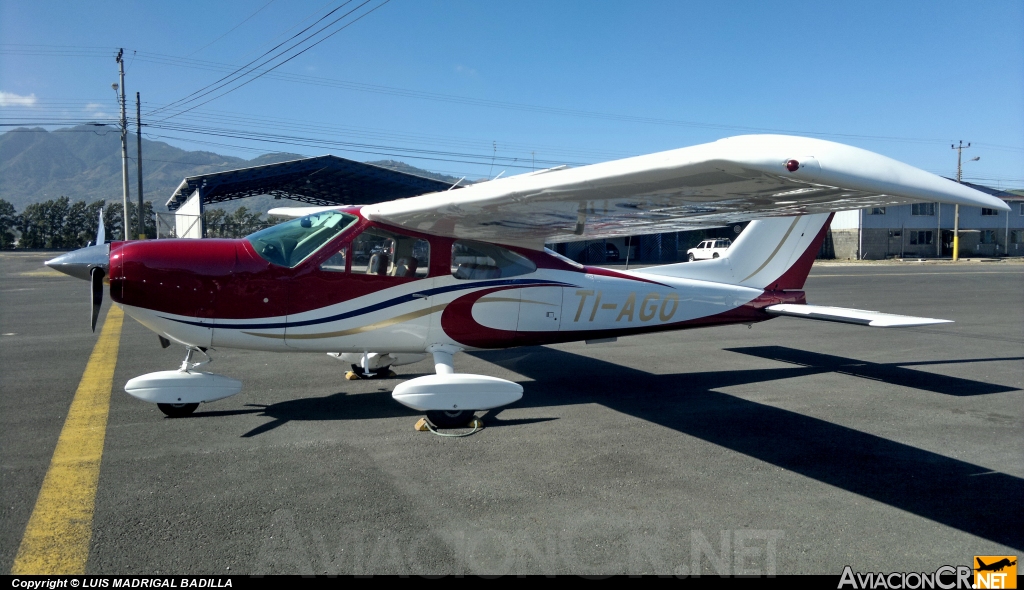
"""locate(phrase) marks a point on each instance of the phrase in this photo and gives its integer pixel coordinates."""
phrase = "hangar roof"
(324, 180)
(1004, 195)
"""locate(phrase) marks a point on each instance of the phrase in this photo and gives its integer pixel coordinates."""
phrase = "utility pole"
(138, 144)
(124, 143)
(956, 215)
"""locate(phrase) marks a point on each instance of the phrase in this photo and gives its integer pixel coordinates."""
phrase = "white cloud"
(466, 71)
(92, 106)
(9, 99)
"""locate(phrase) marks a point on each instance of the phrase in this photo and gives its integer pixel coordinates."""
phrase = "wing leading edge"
(730, 180)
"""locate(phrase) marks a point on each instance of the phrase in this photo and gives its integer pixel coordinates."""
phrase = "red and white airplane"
(383, 285)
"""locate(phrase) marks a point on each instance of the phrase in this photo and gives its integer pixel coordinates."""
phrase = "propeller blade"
(96, 278)
(101, 234)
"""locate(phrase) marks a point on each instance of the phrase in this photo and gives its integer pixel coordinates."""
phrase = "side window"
(479, 260)
(336, 263)
(384, 253)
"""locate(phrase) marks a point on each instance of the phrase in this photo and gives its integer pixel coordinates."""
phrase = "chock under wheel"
(424, 425)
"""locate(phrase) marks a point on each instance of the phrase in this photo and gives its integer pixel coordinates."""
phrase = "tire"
(450, 419)
(177, 410)
(690, 257)
(382, 373)
(715, 255)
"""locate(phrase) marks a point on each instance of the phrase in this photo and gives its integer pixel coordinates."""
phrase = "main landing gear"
(357, 373)
(450, 418)
(177, 410)
(450, 399)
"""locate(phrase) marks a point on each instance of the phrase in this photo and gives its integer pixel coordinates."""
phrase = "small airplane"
(382, 285)
(994, 567)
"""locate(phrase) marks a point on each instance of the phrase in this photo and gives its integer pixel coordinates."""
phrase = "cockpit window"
(291, 242)
(479, 260)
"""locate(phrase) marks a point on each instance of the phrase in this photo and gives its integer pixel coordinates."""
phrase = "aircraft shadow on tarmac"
(339, 406)
(891, 373)
(954, 493)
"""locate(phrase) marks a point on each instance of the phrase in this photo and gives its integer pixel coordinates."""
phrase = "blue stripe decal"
(379, 306)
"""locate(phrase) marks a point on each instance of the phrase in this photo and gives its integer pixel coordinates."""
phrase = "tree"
(221, 224)
(9, 220)
(112, 220)
(33, 226)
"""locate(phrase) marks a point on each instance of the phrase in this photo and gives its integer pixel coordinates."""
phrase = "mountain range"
(83, 163)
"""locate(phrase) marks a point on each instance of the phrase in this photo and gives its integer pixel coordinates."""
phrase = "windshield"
(291, 242)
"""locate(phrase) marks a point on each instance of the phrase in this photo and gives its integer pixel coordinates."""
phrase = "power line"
(253, 79)
(261, 56)
(232, 29)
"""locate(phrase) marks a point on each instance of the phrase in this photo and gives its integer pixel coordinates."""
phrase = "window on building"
(1017, 236)
(988, 236)
(921, 238)
(478, 260)
(987, 212)
(875, 210)
(384, 253)
(1022, 208)
(922, 209)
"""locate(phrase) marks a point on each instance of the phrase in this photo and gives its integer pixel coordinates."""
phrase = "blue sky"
(449, 85)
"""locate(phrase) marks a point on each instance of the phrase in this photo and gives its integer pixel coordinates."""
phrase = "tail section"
(773, 254)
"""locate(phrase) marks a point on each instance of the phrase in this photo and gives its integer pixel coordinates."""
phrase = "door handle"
(421, 296)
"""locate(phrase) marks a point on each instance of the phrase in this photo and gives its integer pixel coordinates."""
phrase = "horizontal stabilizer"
(862, 317)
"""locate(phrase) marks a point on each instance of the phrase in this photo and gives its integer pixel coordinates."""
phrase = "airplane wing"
(301, 211)
(862, 317)
(714, 184)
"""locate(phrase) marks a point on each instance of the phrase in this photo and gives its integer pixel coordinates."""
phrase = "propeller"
(101, 233)
(96, 279)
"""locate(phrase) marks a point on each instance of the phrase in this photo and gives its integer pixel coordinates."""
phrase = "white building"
(925, 230)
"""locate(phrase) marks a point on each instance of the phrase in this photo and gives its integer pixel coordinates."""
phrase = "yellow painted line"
(57, 537)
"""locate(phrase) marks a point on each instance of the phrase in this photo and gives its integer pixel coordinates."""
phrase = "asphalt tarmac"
(792, 447)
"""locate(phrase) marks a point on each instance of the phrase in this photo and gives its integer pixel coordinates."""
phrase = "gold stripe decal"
(56, 540)
(368, 328)
(776, 251)
(512, 300)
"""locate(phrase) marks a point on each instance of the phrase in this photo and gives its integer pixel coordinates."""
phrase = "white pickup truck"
(709, 249)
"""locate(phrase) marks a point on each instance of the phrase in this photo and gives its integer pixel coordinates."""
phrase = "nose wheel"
(177, 410)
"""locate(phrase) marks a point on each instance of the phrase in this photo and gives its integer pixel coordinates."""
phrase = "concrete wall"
(844, 243)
